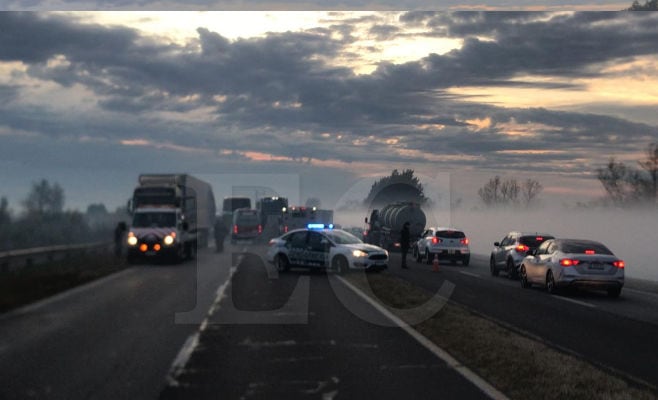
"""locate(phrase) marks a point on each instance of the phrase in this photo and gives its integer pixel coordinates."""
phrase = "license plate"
(596, 266)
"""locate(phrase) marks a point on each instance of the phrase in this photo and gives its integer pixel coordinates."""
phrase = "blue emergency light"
(320, 226)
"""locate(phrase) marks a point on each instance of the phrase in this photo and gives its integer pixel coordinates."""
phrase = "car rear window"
(583, 247)
(534, 241)
(450, 234)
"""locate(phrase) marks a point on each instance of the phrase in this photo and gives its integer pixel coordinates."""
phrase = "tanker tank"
(393, 216)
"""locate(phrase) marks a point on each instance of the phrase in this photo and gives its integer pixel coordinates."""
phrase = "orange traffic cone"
(435, 263)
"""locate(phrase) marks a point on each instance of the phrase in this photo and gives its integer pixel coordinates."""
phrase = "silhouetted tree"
(398, 187)
(490, 192)
(44, 198)
(613, 177)
(650, 165)
(649, 5)
(530, 191)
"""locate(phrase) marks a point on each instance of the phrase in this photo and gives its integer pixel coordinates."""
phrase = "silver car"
(509, 252)
(559, 263)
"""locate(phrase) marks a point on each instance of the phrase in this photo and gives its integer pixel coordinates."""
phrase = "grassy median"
(43, 280)
(517, 365)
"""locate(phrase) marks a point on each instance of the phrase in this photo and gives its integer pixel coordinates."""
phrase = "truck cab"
(160, 232)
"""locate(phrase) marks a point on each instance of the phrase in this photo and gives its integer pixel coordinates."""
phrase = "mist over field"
(631, 234)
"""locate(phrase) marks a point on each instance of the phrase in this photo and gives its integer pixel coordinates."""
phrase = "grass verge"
(517, 365)
(40, 281)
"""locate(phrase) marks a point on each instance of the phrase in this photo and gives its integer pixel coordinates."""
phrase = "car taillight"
(285, 229)
(589, 251)
(568, 262)
(436, 240)
(619, 264)
(260, 229)
(235, 229)
(464, 241)
(522, 248)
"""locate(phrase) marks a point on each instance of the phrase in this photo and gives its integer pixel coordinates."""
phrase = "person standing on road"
(404, 243)
(119, 233)
(220, 233)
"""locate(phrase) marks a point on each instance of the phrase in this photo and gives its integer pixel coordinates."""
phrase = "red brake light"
(260, 228)
(522, 248)
(235, 229)
(539, 239)
(589, 251)
(436, 240)
(567, 262)
(619, 264)
(285, 229)
(464, 241)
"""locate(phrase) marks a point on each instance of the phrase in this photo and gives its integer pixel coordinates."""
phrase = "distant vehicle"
(320, 246)
(446, 243)
(384, 225)
(246, 225)
(172, 215)
(231, 204)
(299, 217)
(559, 263)
(271, 207)
(508, 254)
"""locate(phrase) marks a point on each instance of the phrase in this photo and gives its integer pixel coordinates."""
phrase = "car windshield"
(154, 220)
(534, 241)
(450, 234)
(342, 237)
(583, 247)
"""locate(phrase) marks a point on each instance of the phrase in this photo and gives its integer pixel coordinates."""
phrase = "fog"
(631, 234)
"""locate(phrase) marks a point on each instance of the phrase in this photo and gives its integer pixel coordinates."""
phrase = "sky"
(315, 104)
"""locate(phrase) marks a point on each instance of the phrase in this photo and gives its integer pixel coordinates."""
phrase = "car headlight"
(168, 240)
(359, 253)
(132, 239)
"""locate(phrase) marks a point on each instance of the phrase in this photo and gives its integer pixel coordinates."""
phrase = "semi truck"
(384, 226)
(172, 215)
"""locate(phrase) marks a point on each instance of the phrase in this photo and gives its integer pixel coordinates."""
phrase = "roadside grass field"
(520, 366)
(43, 280)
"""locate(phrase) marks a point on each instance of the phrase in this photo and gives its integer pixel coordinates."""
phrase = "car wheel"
(511, 269)
(614, 292)
(551, 287)
(466, 260)
(340, 265)
(281, 262)
(492, 267)
(523, 275)
(428, 257)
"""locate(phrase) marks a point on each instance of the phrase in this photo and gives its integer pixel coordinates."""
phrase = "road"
(618, 333)
(221, 326)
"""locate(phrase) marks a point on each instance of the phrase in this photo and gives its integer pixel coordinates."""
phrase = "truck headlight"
(359, 253)
(132, 239)
(168, 240)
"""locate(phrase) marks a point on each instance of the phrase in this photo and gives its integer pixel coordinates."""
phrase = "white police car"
(321, 246)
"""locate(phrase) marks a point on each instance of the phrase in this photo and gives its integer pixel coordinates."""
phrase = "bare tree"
(509, 191)
(490, 192)
(613, 178)
(650, 165)
(530, 190)
(44, 198)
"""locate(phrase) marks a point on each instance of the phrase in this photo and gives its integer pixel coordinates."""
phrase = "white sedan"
(321, 246)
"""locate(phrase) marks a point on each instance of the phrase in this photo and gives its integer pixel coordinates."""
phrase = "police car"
(322, 246)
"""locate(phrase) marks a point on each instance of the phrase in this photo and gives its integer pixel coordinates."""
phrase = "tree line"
(44, 221)
(626, 185)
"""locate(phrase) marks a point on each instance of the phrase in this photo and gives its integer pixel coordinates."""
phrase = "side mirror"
(496, 244)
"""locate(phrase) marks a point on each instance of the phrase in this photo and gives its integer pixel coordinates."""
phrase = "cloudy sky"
(322, 99)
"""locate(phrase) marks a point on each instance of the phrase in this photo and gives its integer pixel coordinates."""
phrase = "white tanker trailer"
(385, 225)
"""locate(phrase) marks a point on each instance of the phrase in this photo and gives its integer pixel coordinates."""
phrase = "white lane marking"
(641, 292)
(582, 303)
(464, 371)
(184, 354)
(64, 295)
(470, 274)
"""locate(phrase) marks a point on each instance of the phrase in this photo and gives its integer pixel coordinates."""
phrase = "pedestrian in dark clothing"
(119, 232)
(220, 233)
(404, 243)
